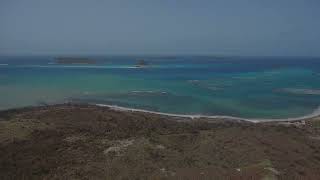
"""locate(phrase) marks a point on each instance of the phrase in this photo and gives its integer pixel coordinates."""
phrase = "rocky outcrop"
(142, 63)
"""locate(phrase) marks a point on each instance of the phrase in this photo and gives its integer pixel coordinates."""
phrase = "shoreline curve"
(314, 114)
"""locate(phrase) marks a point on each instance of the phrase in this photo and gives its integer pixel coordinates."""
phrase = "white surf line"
(4, 64)
(315, 113)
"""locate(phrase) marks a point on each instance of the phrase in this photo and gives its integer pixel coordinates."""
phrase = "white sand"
(315, 113)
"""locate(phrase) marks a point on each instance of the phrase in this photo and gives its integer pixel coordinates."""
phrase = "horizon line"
(152, 54)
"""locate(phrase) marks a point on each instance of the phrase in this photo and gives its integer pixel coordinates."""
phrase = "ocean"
(246, 87)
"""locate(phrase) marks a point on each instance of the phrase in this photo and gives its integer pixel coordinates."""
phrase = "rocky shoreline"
(73, 141)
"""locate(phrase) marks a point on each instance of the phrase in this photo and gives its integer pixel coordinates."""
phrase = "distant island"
(141, 63)
(74, 60)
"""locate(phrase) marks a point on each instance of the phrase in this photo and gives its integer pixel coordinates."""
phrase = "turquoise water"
(242, 87)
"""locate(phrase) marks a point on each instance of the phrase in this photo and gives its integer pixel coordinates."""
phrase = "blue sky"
(218, 27)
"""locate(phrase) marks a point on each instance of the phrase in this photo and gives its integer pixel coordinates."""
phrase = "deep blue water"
(250, 87)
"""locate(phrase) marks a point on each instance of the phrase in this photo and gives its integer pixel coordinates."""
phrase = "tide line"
(315, 113)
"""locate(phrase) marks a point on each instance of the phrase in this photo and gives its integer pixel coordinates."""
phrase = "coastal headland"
(81, 141)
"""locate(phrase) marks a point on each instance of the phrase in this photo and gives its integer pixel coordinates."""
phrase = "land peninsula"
(81, 141)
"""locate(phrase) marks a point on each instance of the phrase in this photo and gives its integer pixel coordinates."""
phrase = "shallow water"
(242, 87)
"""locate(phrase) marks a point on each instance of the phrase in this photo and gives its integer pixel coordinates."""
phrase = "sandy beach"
(314, 114)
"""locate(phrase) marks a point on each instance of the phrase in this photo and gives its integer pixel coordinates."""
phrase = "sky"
(118, 27)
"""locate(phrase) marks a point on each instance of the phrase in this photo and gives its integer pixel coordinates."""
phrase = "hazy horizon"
(285, 28)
